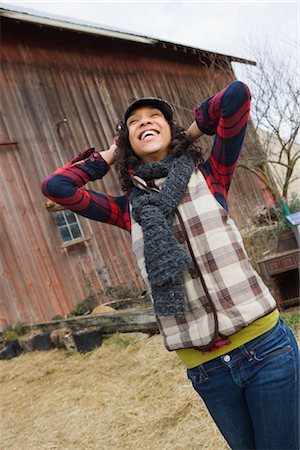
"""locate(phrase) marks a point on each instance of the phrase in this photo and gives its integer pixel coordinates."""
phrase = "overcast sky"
(223, 26)
(229, 27)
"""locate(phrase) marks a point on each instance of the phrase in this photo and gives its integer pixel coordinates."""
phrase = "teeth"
(148, 133)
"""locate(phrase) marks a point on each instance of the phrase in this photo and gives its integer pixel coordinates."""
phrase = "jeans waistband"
(243, 350)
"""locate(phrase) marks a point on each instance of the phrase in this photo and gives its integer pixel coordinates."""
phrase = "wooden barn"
(64, 87)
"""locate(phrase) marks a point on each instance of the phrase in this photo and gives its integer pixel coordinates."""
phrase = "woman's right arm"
(65, 187)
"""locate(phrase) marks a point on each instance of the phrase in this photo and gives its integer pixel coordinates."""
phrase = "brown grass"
(133, 398)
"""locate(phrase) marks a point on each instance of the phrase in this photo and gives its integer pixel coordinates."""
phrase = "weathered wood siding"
(63, 92)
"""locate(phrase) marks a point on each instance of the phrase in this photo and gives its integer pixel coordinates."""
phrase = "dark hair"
(126, 159)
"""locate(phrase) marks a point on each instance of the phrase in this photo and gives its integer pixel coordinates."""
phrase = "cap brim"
(158, 103)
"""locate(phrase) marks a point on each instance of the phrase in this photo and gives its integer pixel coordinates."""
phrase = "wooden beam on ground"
(130, 320)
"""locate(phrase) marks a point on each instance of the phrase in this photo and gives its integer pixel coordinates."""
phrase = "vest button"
(208, 308)
(180, 237)
(193, 273)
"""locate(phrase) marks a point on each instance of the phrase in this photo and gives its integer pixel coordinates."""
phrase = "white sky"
(222, 26)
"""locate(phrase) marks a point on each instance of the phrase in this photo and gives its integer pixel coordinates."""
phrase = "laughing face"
(149, 134)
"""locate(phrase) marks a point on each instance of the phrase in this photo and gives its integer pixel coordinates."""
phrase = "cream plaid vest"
(236, 294)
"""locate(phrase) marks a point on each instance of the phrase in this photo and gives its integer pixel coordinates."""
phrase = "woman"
(211, 307)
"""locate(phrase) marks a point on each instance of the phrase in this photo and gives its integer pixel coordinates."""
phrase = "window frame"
(69, 242)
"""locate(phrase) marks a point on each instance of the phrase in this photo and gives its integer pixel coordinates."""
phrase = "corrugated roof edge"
(51, 20)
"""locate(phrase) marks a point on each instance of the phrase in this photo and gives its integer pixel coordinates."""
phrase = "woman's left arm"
(225, 115)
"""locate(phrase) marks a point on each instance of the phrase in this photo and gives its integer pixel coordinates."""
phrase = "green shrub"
(58, 317)
(11, 333)
(294, 203)
(85, 307)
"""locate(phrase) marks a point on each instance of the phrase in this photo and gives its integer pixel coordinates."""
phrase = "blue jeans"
(252, 393)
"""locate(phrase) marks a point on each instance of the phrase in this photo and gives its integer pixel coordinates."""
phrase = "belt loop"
(248, 354)
(203, 373)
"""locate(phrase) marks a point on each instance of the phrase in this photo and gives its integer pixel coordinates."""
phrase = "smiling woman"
(149, 134)
(150, 118)
(211, 307)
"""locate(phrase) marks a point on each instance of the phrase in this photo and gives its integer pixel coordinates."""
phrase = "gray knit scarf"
(165, 259)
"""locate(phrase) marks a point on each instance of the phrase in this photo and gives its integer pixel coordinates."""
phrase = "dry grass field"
(123, 396)
(129, 394)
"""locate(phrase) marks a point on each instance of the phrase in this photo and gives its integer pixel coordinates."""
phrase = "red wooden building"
(64, 87)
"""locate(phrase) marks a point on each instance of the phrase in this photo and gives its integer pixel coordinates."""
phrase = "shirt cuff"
(83, 155)
(92, 163)
(98, 165)
(202, 118)
(95, 156)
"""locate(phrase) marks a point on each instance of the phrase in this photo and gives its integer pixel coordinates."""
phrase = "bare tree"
(271, 153)
(276, 118)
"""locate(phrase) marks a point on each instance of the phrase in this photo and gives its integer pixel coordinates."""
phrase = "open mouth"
(148, 135)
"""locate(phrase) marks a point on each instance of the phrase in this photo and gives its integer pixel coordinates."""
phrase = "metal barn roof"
(51, 20)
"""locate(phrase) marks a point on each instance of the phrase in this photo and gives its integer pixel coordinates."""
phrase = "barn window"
(68, 225)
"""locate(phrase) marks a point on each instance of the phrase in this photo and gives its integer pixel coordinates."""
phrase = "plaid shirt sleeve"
(224, 115)
(65, 187)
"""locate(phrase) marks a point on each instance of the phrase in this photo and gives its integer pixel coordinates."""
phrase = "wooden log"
(133, 320)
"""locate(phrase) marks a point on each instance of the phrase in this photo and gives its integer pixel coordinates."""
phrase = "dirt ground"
(132, 398)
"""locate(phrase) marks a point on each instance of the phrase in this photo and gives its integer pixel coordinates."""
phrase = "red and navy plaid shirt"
(224, 115)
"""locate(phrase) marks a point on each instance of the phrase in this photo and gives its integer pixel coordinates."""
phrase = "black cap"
(158, 103)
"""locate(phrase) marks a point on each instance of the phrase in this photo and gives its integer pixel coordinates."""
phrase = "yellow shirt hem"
(192, 358)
